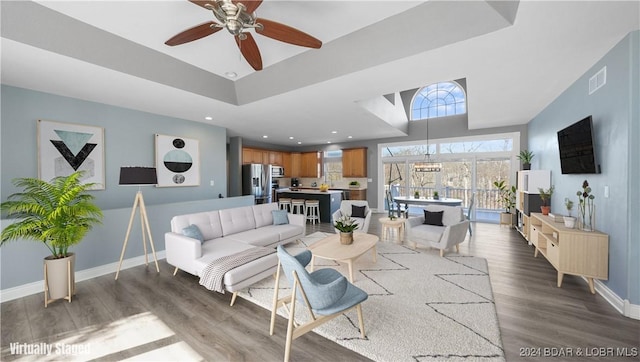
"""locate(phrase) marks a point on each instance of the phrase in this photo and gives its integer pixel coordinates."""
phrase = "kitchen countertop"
(310, 191)
(333, 188)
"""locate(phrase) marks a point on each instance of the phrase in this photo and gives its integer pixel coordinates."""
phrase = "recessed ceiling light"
(208, 118)
(299, 142)
(290, 137)
(231, 74)
(328, 141)
(334, 132)
(350, 137)
(265, 136)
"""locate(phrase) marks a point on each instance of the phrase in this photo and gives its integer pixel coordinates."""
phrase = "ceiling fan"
(237, 17)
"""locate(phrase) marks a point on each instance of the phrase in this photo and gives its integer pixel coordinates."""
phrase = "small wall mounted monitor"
(576, 146)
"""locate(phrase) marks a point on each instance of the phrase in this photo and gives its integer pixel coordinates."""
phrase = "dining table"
(447, 201)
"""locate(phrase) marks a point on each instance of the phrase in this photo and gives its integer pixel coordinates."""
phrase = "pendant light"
(427, 165)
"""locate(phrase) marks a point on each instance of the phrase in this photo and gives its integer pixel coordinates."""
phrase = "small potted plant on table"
(545, 196)
(346, 225)
(416, 195)
(436, 196)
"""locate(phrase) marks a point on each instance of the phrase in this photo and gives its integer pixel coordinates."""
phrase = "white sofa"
(346, 207)
(452, 233)
(230, 231)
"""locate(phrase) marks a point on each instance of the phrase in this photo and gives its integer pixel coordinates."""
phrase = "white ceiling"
(516, 57)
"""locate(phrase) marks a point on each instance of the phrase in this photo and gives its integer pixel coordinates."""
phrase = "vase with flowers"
(586, 207)
(346, 225)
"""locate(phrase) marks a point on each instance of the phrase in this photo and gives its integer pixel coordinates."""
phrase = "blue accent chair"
(325, 293)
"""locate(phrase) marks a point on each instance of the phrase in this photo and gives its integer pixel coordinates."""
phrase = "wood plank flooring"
(533, 313)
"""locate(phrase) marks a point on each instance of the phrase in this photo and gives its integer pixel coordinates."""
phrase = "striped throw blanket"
(212, 276)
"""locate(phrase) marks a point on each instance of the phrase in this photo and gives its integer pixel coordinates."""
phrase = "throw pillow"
(433, 218)
(358, 211)
(193, 231)
(280, 217)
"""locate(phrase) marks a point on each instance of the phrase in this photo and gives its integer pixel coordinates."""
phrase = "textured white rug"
(421, 307)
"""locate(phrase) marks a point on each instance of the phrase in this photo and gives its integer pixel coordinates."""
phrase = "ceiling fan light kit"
(237, 18)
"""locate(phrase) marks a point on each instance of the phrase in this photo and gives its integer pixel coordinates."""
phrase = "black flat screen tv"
(577, 152)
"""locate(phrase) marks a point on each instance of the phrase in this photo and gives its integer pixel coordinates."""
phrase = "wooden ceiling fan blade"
(250, 51)
(194, 33)
(286, 34)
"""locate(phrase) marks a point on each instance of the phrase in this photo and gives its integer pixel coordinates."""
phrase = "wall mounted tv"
(577, 152)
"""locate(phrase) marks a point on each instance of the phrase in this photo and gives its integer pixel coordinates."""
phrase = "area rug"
(421, 307)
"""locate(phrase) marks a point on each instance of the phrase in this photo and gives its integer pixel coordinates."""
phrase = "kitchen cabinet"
(296, 163)
(286, 163)
(252, 155)
(357, 194)
(311, 164)
(354, 162)
(275, 158)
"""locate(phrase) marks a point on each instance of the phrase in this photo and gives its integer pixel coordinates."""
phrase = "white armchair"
(452, 232)
(347, 208)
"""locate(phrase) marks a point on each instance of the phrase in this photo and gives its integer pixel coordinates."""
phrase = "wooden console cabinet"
(570, 251)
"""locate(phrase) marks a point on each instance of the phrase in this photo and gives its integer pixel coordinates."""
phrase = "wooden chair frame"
(295, 330)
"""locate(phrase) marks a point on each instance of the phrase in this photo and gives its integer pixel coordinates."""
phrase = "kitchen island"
(329, 200)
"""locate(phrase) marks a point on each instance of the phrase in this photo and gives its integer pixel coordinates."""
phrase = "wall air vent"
(598, 80)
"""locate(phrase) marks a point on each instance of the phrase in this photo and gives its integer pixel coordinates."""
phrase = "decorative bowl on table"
(324, 187)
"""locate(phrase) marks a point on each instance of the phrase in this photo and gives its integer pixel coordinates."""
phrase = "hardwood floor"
(145, 311)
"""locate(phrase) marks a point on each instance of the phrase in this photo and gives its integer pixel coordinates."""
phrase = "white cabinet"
(531, 181)
(528, 198)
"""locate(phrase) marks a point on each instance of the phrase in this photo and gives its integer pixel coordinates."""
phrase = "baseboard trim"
(37, 287)
(621, 305)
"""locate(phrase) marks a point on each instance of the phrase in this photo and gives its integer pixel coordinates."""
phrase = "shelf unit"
(527, 197)
(570, 251)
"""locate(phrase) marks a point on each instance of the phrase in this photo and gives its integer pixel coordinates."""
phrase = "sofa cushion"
(427, 232)
(263, 236)
(433, 217)
(280, 217)
(262, 214)
(208, 223)
(193, 231)
(358, 211)
(237, 220)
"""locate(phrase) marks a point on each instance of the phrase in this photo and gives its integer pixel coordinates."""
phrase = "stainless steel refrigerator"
(256, 181)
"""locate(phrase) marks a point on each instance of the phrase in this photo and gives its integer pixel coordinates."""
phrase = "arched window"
(438, 100)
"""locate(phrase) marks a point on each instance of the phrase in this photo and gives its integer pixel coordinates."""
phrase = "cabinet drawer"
(553, 254)
(533, 235)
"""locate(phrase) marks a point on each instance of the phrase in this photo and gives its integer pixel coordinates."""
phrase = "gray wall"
(129, 141)
(614, 108)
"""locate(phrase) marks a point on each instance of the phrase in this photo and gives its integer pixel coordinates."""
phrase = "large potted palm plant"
(58, 213)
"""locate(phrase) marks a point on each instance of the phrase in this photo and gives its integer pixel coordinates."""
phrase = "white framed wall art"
(64, 148)
(177, 161)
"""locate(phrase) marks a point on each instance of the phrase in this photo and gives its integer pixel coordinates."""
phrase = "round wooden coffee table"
(330, 248)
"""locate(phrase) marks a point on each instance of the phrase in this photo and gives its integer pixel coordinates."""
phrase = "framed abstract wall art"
(64, 148)
(177, 161)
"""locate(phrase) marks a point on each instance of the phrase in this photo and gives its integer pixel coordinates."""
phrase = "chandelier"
(427, 165)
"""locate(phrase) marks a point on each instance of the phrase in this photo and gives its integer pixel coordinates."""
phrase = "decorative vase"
(569, 221)
(346, 238)
(587, 215)
(526, 166)
(545, 210)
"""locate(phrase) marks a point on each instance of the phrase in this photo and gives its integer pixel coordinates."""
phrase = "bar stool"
(313, 210)
(284, 203)
(297, 206)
